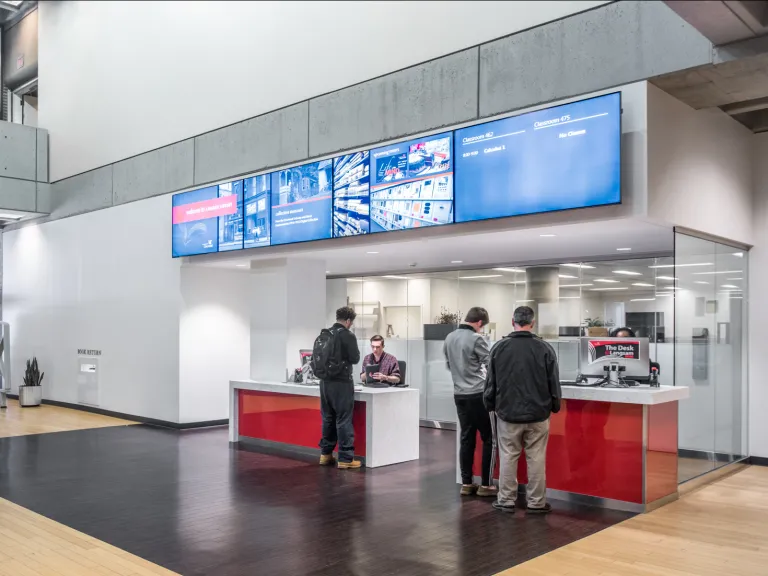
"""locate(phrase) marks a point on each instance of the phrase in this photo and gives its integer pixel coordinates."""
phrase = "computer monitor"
(598, 352)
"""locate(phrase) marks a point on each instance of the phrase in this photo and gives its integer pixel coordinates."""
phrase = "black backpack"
(326, 359)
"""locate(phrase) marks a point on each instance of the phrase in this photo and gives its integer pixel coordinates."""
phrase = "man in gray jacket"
(466, 355)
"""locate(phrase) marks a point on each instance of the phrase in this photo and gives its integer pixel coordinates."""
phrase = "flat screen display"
(256, 201)
(301, 203)
(351, 194)
(412, 184)
(208, 220)
(563, 157)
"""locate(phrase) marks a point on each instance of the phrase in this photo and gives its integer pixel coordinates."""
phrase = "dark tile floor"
(188, 502)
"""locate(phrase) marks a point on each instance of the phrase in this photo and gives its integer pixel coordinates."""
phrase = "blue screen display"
(208, 220)
(351, 202)
(412, 184)
(301, 203)
(256, 211)
(563, 157)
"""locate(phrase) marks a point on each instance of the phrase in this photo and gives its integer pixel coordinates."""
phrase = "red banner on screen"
(205, 209)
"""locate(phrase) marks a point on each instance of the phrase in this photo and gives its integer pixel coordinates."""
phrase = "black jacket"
(350, 353)
(523, 384)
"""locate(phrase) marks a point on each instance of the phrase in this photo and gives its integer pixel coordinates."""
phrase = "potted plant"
(595, 327)
(445, 323)
(31, 392)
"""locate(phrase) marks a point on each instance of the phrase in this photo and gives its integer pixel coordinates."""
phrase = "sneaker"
(487, 491)
(509, 508)
(353, 465)
(546, 509)
(468, 489)
(327, 460)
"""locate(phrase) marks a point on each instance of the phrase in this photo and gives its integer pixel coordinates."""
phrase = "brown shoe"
(487, 491)
(468, 489)
(354, 465)
(327, 460)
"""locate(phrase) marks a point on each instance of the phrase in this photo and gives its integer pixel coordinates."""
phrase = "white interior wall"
(699, 168)
(214, 340)
(257, 51)
(104, 281)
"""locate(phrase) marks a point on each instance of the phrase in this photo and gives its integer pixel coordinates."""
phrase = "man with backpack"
(334, 354)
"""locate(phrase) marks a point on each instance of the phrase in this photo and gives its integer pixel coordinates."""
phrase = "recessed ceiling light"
(10, 217)
(728, 286)
(682, 265)
(700, 282)
(456, 261)
(371, 252)
(584, 266)
(327, 271)
(623, 249)
(665, 294)
(480, 276)
(522, 301)
(574, 285)
(509, 269)
(718, 272)
(627, 273)
(643, 284)
(642, 299)
(354, 279)
(518, 282)
(734, 278)
(569, 297)
(396, 277)
(241, 265)
(739, 254)
(670, 288)
(666, 278)
(606, 281)
(606, 289)
(566, 276)
(547, 235)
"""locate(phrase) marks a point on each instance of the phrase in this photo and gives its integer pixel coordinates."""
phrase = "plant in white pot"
(31, 393)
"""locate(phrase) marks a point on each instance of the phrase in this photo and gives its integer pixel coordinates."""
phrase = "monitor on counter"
(412, 184)
(301, 203)
(351, 194)
(598, 352)
(558, 158)
(208, 220)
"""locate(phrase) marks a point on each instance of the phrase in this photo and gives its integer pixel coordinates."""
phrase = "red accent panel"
(522, 467)
(204, 209)
(290, 419)
(661, 455)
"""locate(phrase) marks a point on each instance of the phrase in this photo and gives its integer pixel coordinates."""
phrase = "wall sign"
(88, 352)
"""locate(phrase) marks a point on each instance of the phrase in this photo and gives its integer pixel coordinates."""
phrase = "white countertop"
(361, 393)
(635, 395)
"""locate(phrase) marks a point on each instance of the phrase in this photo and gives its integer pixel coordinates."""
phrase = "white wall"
(758, 307)
(99, 281)
(214, 340)
(202, 65)
(699, 168)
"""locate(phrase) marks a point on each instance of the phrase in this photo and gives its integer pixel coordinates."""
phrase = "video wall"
(559, 158)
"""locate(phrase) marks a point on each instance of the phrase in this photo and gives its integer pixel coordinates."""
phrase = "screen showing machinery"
(412, 184)
(351, 194)
(208, 220)
(256, 201)
(559, 158)
(598, 352)
(301, 203)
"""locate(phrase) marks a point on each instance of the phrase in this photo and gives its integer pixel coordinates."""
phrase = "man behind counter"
(389, 369)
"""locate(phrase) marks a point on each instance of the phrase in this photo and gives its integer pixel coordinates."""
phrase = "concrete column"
(543, 289)
(287, 313)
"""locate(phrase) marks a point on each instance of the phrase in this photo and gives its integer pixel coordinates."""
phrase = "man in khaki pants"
(523, 389)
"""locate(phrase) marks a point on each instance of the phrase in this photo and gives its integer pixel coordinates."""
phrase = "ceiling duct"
(20, 52)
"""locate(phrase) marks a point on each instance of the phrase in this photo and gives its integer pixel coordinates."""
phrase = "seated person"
(389, 369)
(625, 332)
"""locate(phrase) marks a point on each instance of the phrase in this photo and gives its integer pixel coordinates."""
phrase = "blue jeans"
(337, 402)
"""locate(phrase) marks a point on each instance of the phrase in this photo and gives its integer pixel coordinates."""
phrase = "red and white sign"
(212, 208)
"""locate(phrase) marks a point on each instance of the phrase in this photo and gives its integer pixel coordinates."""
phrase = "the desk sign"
(88, 352)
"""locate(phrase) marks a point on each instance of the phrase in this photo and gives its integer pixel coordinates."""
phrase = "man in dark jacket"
(523, 389)
(337, 397)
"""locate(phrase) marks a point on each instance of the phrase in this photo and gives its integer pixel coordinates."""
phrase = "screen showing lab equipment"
(351, 194)
(256, 201)
(301, 203)
(412, 184)
(598, 352)
(559, 158)
(208, 220)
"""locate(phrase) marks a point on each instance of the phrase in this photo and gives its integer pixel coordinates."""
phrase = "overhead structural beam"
(748, 106)
(724, 21)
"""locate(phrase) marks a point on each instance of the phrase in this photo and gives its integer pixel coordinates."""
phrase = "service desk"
(286, 417)
(612, 447)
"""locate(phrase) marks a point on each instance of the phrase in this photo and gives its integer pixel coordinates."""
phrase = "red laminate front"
(290, 419)
(661, 452)
(595, 448)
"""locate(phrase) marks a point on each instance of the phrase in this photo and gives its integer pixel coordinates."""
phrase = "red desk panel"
(290, 419)
(661, 453)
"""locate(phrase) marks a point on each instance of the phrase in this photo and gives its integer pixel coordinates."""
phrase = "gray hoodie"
(466, 355)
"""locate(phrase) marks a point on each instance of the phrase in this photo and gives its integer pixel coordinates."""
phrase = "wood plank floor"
(18, 421)
(720, 529)
(32, 545)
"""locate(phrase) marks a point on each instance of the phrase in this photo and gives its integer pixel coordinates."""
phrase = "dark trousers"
(337, 402)
(474, 418)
